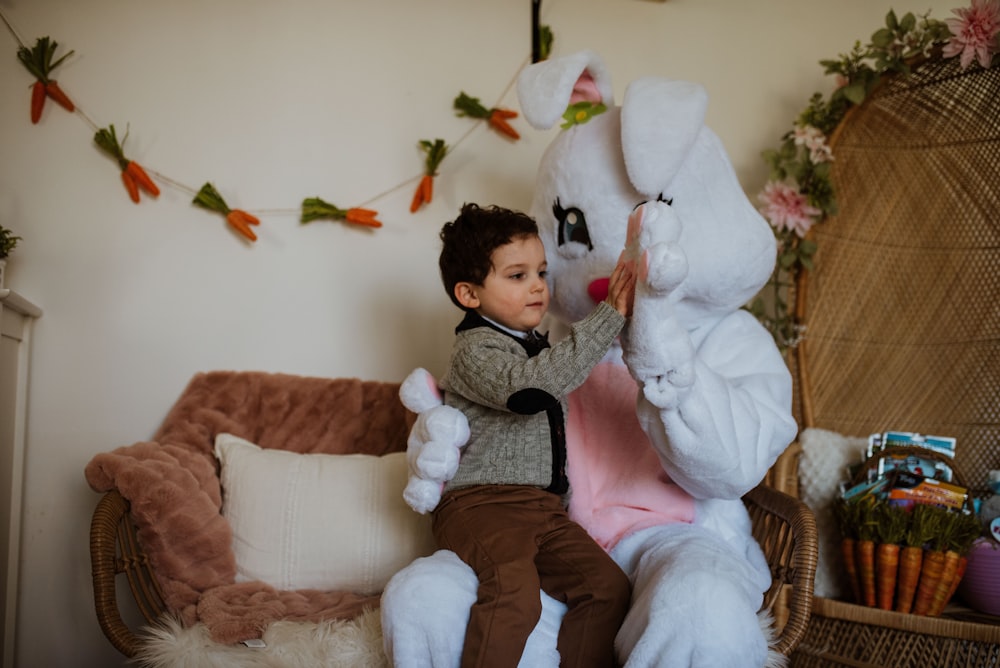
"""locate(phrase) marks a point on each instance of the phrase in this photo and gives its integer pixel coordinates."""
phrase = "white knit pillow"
(318, 521)
(823, 465)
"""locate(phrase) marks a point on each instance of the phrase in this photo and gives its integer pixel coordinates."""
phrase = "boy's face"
(514, 293)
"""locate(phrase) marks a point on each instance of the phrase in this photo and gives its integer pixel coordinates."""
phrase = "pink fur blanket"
(173, 487)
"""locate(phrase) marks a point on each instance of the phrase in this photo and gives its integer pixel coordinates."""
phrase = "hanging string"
(20, 42)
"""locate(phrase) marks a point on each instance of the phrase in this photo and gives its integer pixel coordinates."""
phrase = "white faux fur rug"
(333, 644)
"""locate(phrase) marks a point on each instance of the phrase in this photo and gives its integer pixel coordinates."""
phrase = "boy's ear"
(465, 293)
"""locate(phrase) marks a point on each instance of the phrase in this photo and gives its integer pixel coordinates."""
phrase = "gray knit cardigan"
(509, 397)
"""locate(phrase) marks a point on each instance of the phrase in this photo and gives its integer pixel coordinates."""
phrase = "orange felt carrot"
(130, 186)
(53, 90)
(142, 178)
(241, 221)
(37, 100)
(314, 208)
(209, 198)
(496, 117)
(420, 194)
(133, 175)
(360, 216)
(498, 120)
(436, 152)
(38, 61)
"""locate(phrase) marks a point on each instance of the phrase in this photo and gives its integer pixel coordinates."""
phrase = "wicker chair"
(783, 526)
(902, 322)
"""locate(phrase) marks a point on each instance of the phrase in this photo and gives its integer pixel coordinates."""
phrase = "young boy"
(504, 513)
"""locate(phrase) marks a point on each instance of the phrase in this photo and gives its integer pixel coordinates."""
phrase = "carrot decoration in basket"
(963, 562)
(966, 529)
(38, 60)
(892, 524)
(930, 576)
(845, 516)
(934, 561)
(865, 552)
(314, 208)
(133, 175)
(209, 198)
(497, 117)
(921, 529)
(435, 151)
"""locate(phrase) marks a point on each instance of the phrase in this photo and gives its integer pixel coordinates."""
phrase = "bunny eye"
(572, 225)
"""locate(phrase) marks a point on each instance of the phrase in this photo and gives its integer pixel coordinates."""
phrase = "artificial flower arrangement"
(907, 524)
(799, 192)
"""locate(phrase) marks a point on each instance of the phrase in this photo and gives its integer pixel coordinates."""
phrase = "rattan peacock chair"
(901, 318)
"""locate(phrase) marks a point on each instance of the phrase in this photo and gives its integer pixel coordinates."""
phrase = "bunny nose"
(598, 289)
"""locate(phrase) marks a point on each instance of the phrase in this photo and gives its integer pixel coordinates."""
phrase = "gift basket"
(980, 588)
(907, 524)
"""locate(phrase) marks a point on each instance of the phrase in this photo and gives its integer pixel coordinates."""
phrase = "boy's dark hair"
(469, 241)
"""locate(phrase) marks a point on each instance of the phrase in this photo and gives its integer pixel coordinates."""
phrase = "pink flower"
(815, 141)
(974, 32)
(786, 208)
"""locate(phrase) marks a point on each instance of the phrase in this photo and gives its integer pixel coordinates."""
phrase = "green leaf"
(786, 260)
(209, 198)
(807, 263)
(545, 39)
(466, 105)
(314, 208)
(882, 37)
(807, 247)
(855, 92)
(909, 22)
(890, 20)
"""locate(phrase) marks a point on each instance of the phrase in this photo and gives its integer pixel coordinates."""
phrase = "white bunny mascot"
(672, 428)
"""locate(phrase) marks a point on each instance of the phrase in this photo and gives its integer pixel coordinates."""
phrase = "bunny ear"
(546, 88)
(660, 121)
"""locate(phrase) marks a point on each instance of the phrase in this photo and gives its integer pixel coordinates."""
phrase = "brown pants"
(519, 539)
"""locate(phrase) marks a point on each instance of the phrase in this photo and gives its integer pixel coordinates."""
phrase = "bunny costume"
(678, 422)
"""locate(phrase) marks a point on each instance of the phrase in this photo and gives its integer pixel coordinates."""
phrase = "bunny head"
(609, 159)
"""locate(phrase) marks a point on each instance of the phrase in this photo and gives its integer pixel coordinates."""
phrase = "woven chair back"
(902, 311)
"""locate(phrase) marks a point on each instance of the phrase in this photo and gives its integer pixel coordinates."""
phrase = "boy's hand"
(621, 287)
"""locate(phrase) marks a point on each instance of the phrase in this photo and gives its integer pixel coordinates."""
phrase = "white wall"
(276, 101)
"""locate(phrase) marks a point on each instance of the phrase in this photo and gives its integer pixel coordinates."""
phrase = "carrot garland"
(314, 208)
(497, 117)
(436, 151)
(209, 198)
(133, 175)
(38, 60)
